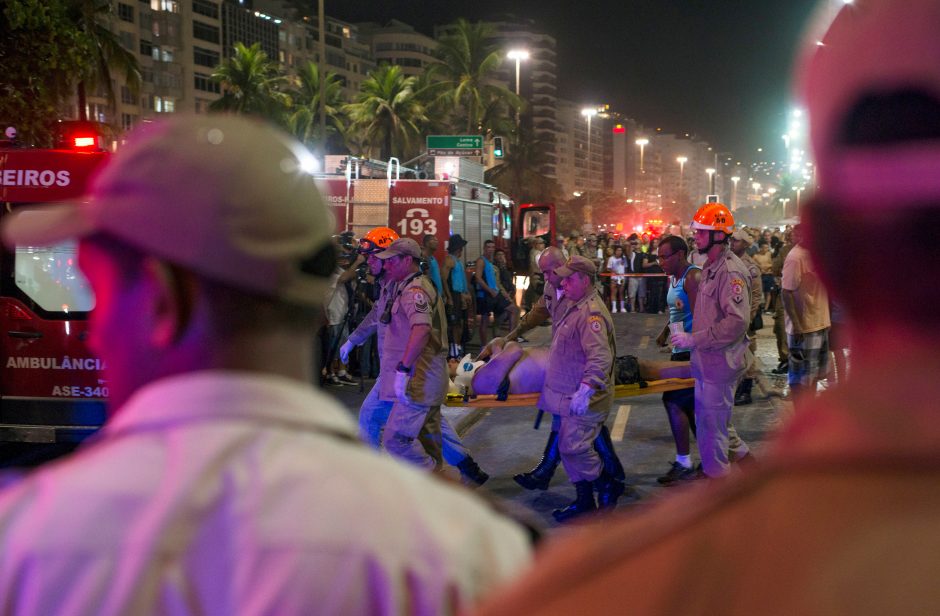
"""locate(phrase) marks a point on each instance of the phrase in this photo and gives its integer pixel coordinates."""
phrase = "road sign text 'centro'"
(455, 145)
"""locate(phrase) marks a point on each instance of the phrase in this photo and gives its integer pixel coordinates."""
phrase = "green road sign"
(455, 145)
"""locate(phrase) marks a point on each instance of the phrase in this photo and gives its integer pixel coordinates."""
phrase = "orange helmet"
(714, 217)
(377, 239)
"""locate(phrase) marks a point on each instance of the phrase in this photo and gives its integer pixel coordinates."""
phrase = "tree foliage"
(40, 53)
(105, 53)
(466, 63)
(304, 120)
(253, 85)
(387, 114)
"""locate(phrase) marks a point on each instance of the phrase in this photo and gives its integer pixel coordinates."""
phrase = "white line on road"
(644, 341)
(620, 422)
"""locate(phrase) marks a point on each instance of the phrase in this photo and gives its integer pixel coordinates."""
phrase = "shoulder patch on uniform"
(595, 322)
(737, 290)
(420, 299)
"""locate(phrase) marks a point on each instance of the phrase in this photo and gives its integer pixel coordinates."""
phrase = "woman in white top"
(617, 265)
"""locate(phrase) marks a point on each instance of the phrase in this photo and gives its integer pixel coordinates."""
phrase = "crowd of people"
(225, 482)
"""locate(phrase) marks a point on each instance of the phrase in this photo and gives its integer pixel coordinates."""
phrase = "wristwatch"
(401, 367)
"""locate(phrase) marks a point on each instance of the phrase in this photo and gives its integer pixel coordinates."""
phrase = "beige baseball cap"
(227, 197)
(577, 263)
(401, 246)
(743, 236)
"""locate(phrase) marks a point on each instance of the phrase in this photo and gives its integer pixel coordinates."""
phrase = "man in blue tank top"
(680, 404)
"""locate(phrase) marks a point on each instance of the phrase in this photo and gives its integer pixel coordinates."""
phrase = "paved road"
(504, 442)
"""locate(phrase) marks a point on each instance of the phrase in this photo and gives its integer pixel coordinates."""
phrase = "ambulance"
(51, 386)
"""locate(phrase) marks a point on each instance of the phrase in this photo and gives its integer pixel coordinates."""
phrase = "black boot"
(605, 449)
(540, 476)
(470, 470)
(743, 394)
(583, 503)
(609, 489)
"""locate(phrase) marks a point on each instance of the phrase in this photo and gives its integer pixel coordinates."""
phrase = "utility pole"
(322, 70)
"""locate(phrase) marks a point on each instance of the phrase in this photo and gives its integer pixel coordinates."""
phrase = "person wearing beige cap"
(740, 241)
(223, 481)
(579, 387)
(413, 358)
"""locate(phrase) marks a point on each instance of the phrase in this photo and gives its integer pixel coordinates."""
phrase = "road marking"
(620, 422)
(644, 341)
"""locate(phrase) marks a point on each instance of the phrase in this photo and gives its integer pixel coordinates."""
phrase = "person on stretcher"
(522, 370)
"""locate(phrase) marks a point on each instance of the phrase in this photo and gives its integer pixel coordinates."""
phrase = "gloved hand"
(345, 350)
(401, 387)
(682, 340)
(581, 399)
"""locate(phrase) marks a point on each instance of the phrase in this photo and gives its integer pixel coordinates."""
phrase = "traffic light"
(498, 147)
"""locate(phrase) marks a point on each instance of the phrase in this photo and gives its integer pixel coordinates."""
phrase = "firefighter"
(718, 340)
(579, 387)
(552, 305)
(374, 412)
(740, 241)
(413, 369)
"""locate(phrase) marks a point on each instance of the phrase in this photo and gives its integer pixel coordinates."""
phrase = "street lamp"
(518, 55)
(756, 187)
(711, 180)
(799, 189)
(588, 112)
(734, 192)
(682, 160)
(642, 142)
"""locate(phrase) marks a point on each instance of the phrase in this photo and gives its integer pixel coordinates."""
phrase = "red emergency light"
(84, 142)
(619, 129)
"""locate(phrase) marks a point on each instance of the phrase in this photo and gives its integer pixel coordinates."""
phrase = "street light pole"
(642, 142)
(588, 112)
(711, 180)
(518, 55)
(734, 192)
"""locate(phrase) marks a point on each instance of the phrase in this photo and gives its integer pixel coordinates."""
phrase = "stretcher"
(521, 400)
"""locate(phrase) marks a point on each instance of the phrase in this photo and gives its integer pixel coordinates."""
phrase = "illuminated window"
(50, 277)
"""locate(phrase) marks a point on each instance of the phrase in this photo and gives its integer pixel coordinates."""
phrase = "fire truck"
(51, 388)
(453, 199)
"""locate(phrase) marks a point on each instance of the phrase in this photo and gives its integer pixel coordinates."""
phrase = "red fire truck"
(51, 390)
(441, 207)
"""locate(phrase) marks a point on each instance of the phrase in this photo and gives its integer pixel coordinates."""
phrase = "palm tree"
(90, 17)
(519, 172)
(466, 60)
(387, 115)
(251, 84)
(305, 113)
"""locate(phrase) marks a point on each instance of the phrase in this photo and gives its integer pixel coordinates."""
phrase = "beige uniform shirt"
(722, 316)
(582, 351)
(415, 302)
(757, 293)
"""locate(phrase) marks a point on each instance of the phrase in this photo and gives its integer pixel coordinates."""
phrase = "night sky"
(719, 69)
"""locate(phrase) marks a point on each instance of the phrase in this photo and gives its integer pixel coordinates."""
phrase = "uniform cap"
(743, 236)
(862, 48)
(402, 246)
(227, 197)
(577, 263)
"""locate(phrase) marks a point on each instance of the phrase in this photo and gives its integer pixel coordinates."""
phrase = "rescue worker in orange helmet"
(718, 339)
(374, 412)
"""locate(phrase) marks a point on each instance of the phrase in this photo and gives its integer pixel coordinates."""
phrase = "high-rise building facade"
(399, 44)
